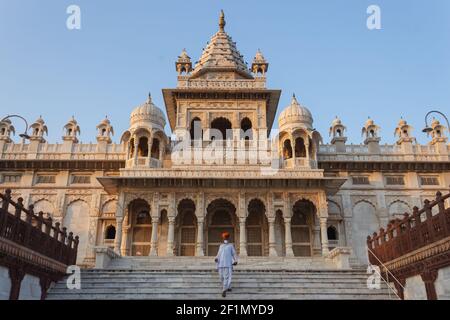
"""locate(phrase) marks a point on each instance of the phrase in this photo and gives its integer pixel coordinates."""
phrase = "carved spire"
(222, 22)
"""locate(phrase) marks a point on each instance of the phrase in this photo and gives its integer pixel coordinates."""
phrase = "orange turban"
(225, 235)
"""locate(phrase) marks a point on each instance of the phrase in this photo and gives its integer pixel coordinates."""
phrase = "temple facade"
(277, 192)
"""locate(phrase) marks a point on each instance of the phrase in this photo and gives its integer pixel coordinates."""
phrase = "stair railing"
(388, 272)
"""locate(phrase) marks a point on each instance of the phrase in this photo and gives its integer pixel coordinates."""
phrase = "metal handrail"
(387, 274)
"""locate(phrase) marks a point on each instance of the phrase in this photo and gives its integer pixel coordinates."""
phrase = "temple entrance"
(221, 217)
(141, 227)
(257, 229)
(186, 224)
(301, 228)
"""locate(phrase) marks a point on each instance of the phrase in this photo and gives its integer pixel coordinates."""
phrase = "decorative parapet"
(103, 256)
(56, 152)
(340, 256)
(214, 172)
(420, 153)
(185, 83)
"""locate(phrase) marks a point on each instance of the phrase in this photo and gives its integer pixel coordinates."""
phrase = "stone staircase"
(188, 278)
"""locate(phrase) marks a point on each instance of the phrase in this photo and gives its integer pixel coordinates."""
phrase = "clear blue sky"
(319, 49)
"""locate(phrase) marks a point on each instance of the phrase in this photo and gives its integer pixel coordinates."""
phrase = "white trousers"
(225, 277)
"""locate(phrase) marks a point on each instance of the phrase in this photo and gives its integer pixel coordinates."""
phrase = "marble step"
(204, 284)
(216, 296)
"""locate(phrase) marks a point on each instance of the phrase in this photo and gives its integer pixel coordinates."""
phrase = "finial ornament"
(149, 100)
(222, 22)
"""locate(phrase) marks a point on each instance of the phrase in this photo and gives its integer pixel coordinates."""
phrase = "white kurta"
(225, 259)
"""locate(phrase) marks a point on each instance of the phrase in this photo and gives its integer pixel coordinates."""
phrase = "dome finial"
(149, 100)
(222, 22)
(294, 99)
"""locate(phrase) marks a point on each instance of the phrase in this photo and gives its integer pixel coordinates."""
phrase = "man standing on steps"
(226, 258)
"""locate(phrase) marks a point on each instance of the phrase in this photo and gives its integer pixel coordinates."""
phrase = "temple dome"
(148, 115)
(295, 115)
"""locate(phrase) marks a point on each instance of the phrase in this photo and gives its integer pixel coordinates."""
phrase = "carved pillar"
(242, 238)
(429, 277)
(324, 235)
(161, 152)
(135, 155)
(288, 236)
(118, 239)
(125, 231)
(45, 285)
(171, 236)
(199, 248)
(149, 146)
(154, 241)
(272, 242)
(399, 286)
(16, 275)
(119, 222)
(242, 229)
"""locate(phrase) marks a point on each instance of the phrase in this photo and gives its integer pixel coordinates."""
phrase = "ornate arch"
(399, 201)
(130, 197)
(366, 201)
(107, 201)
(336, 204)
(257, 197)
(314, 199)
(74, 199)
(210, 198)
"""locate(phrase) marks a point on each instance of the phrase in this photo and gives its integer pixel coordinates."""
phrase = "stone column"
(118, 239)
(324, 236)
(199, 247)
(171, 236)
(242, 238)
(124, 245)
(272, 243)
(135, 155)
(154, 241)
(149, 155)
(288, 237)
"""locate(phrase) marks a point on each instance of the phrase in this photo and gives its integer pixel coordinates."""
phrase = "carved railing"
(413, 232)
(35, 232)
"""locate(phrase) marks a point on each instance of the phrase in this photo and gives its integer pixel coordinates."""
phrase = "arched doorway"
(246, 129)
(287, 149)
(75, 220)
(222, 125)
(365, 222)
(257, 229)
(186, 223)
(301, 228)
(221, 217)
(300, 149)
(141, 227)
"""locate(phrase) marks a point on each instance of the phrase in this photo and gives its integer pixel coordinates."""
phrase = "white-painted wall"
(30, 289)
(5, 283)
(415, 289)
(442, 284)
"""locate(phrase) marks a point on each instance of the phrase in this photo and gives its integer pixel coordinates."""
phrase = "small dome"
(148, 114)
(295, 114)
(104, 122)
(435, 123)
(402, 123)
(259, 57)
(336, 122)
(40, 120)
(369, 122)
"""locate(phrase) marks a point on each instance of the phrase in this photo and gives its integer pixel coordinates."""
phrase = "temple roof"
(221, 55)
